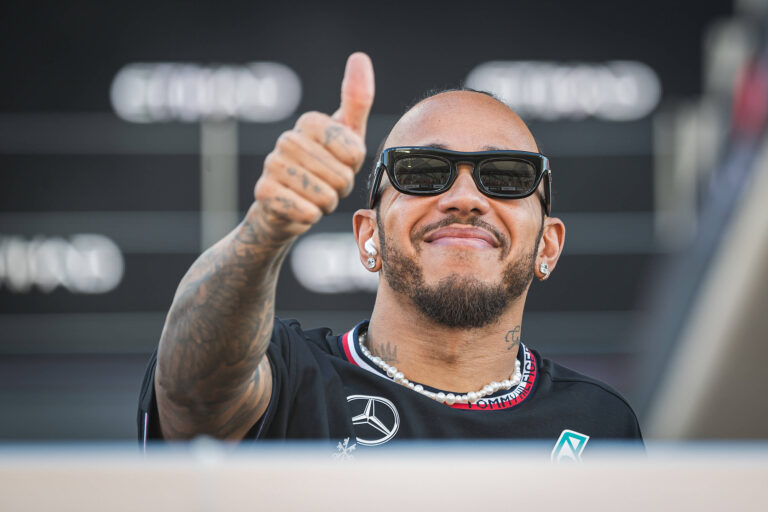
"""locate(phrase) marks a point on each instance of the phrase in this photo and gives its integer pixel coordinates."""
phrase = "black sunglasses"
(425, 171)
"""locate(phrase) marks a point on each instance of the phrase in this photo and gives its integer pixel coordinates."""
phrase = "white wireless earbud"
(370, 247)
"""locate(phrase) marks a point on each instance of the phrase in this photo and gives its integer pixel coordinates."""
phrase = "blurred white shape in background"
(330, 263)
(86, 263)
(612, 91)
(260, 92)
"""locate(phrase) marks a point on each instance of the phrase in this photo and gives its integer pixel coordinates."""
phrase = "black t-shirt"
(324, 387)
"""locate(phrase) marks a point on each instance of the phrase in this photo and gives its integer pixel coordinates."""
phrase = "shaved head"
(441, 107)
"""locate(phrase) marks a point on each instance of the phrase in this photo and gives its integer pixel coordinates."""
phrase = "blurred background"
(132, 133)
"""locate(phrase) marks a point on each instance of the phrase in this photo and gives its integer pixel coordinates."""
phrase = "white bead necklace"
(447, 398)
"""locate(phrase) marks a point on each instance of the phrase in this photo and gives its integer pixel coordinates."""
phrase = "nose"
(463, 197)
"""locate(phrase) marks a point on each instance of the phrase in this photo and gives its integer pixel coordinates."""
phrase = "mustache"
(473, 221)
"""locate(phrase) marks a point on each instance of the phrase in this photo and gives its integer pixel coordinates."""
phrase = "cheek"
(523, 222)
(403, 214)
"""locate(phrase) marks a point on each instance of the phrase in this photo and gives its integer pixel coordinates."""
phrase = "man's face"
(460, 256)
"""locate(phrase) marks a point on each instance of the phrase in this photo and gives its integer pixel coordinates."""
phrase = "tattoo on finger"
(288, 204)
(333, 133)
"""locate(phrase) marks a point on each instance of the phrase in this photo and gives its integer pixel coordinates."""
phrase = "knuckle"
(329, 202)
(264, 189)
(287, 140)
(309, 215)
(358, 152)
(346, 185)
(272, 162)
(308, 119)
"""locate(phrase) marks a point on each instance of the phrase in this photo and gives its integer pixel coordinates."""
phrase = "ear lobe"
(550, 246)
(366, 234)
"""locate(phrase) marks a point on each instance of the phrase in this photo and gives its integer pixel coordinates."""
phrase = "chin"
(460, 274)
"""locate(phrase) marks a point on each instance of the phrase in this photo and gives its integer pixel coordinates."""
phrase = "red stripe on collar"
(501, 400)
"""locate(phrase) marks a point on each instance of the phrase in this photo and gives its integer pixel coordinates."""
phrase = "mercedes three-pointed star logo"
(387, 422)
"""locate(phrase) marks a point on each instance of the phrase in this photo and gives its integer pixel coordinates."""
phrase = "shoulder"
(588, 396)
(288, 331)
(565, 377)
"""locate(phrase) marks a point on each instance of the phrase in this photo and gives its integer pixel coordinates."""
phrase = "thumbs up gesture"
(314, 164)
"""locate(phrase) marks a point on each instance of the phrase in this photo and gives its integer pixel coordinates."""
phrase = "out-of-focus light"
(260, 92)
(613, 91)
(330, 263)
(86, 263)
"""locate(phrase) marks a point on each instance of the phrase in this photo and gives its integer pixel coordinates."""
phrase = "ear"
(550, 246)
(365, 228)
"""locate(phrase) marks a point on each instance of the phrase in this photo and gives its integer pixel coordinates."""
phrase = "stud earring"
(371, 263)
(544, 269)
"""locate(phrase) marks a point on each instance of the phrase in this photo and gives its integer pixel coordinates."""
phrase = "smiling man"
(458, 225)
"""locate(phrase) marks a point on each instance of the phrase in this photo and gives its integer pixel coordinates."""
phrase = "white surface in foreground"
(425, 476)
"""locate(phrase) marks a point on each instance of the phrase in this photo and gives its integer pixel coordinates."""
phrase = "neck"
(443, 357)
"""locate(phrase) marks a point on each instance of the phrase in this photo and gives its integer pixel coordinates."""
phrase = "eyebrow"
(437, 145)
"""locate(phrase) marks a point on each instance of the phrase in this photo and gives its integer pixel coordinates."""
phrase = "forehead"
(462, 121)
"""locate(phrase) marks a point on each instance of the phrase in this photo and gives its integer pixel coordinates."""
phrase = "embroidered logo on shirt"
(376, 419)
(569, 446)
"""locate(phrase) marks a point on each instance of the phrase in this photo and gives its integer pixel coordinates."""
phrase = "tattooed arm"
(212, 375)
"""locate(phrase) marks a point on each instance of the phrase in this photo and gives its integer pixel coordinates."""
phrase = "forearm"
(212, 376)
(218, 330)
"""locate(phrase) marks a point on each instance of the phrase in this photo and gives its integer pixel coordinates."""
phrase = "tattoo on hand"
(512, 339)
(335, 133)
(288, 204)
(387, 351)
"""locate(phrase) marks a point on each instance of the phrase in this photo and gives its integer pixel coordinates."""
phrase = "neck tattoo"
(442, 397)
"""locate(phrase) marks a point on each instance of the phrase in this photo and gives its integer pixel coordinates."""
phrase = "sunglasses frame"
(390, 155)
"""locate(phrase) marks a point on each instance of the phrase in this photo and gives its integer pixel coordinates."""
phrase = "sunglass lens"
(422, 173)
(508, 177)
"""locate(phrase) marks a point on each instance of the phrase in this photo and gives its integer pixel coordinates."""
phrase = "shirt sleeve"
(282, 360)
(147, 417)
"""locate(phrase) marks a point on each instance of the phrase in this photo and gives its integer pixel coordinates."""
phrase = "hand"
(314, 164)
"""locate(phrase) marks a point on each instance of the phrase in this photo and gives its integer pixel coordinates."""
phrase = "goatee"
(457, 300)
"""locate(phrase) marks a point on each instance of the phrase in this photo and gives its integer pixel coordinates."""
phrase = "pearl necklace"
(447, 398)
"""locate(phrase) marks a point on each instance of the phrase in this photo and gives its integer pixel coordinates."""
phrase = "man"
(458, 225)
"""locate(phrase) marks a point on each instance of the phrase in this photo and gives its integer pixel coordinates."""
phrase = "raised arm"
(212, 375)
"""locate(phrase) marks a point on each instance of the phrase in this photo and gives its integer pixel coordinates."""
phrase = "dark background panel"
(62, 56)
(148, 284)
(99, 183)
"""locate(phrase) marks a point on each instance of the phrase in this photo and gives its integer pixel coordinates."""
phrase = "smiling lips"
(463, 236)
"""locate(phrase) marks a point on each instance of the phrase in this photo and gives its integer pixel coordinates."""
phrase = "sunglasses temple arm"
(548, 192)
(376, 183)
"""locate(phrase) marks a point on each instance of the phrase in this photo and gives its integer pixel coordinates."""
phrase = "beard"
(458, 301)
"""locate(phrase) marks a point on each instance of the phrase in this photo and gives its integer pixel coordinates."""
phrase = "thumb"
(357, 90)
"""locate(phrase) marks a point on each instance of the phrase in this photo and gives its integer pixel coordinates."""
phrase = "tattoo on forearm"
(386, 351)
(211, 365)
(512, 338)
